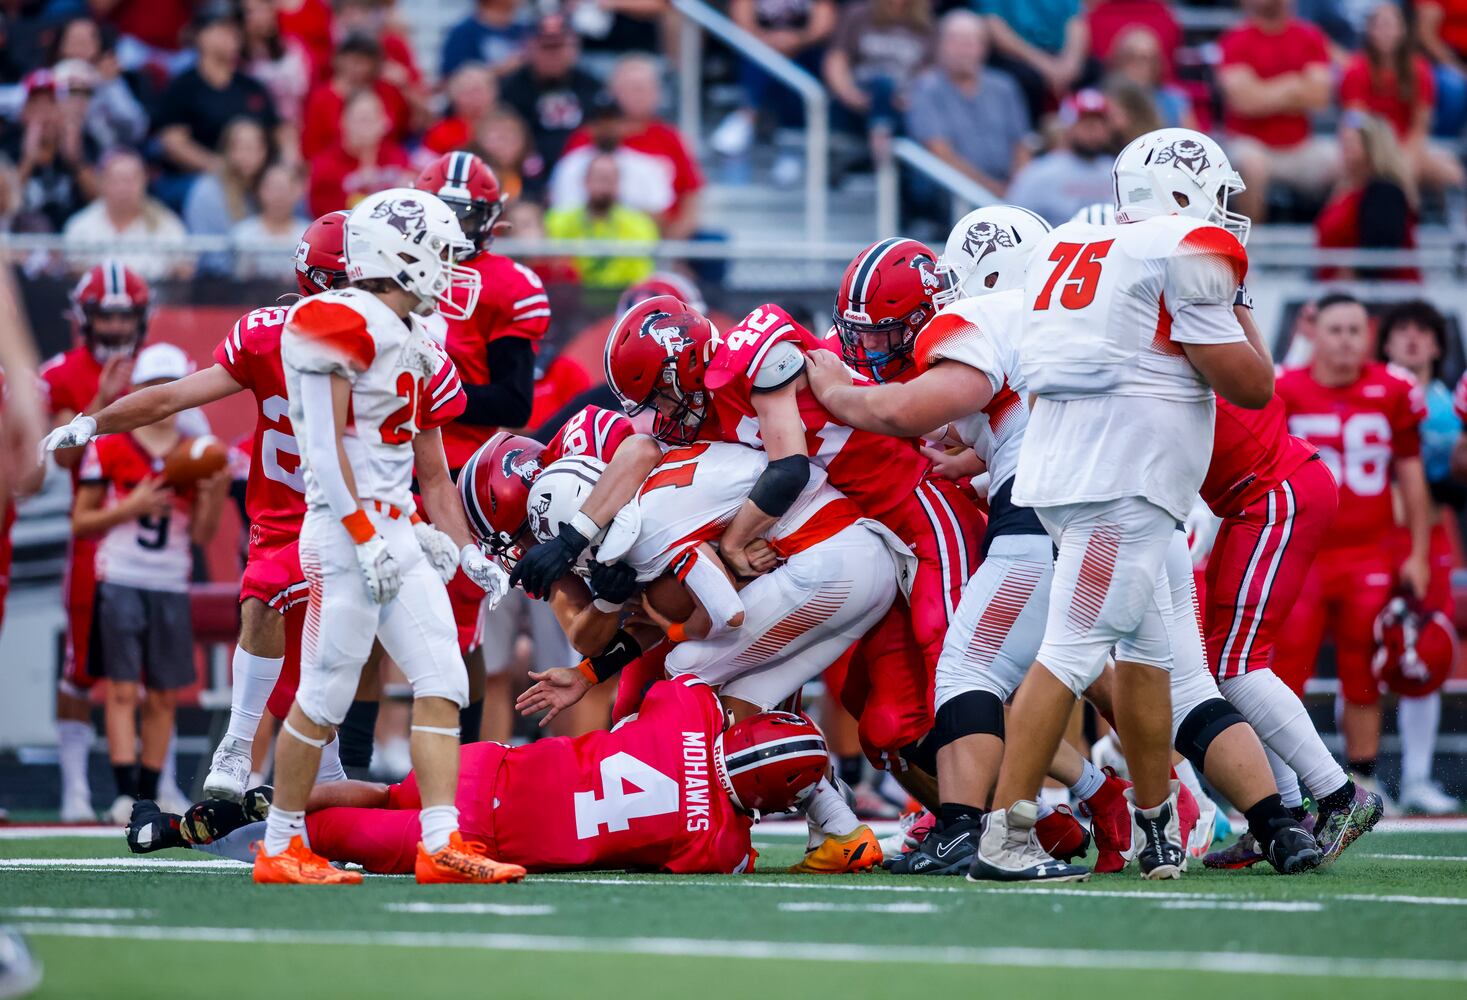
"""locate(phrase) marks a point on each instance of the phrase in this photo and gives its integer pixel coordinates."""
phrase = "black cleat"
(207, 821)
(945, 851)
(151, 829)
(256, 803)
(1162, 856)
(1293, 850)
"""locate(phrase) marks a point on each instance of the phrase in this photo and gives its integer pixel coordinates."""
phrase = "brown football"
(193, 459)
(670, 598)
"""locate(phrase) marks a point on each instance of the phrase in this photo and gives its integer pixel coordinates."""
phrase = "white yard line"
(1418, 857)
(73, 913)
(1257, 906)
(802, 907)
(123, 862)
(1259, 963)
(490, 909)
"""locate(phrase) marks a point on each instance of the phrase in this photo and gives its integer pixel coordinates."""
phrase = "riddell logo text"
(695, 780)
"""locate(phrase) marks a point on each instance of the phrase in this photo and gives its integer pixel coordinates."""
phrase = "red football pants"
(1258, 565)
(81, 594)
(888, 686)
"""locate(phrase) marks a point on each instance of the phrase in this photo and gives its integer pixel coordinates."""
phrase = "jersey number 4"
(1081, 262)
(652, 794)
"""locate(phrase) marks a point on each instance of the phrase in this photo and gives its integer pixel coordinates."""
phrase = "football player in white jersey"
(1128, 330)
(356, 365)
(838, 575)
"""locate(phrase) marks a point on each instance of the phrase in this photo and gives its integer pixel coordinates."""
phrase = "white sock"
(1042, 806)
(1089, 782)
(254, 679)
(827, 811)
(330, 768)
(73, 743)
(1418, 720)
(1188, 775)
(1051, 797)
(1285, 778)
(1278, 716)
(438, 823)
(280, 826)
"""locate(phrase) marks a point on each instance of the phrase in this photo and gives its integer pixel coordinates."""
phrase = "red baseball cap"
(1084, 102)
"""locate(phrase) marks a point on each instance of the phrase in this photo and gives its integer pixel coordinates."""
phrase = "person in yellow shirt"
(603, 218)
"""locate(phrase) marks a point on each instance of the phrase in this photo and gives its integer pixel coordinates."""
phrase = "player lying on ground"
(670, 790)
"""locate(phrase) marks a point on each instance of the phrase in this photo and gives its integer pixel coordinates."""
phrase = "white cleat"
(120, 813)
(229, 772)
(77, 809)
(1009, 851)
(1200, 841)
(1427, 797)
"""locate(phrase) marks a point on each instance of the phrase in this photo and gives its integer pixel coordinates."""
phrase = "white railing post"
(888, 197)
(690, 83)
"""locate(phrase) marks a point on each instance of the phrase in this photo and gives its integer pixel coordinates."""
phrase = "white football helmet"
(557, 495)
(987, 251)
(1153, 170)
(1100, 213)
(412, 238)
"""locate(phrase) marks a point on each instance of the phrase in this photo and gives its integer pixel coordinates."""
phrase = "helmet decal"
(1187, 153)
(405, 215)
(526, 467)
(668, 335)
(927, 269)
(984, 238)
(536, 514)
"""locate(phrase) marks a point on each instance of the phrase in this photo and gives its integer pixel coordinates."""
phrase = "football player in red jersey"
(109, 315)
(494, 350)
(273, 590)
(1365, 419)
(564, 804)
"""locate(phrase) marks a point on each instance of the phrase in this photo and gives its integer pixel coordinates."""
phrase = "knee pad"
(971, 713)
(1202, 725)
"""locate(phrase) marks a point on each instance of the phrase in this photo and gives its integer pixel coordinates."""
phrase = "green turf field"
(1389, 921)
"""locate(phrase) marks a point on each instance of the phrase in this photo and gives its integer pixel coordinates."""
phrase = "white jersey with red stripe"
(984, 333)
(152, 552)
(398, 377)
(1119, 410)
(693, 495)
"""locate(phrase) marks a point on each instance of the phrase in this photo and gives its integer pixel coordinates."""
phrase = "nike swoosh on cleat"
(943, 850)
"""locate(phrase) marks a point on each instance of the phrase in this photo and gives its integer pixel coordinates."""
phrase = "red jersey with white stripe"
(1252, 453)
(151, 553)
(1359, 429)
(692, 496)
(984, 333)
(643, 796)
(878, 472)
(512, 303)
(593, 431)
(69, 382)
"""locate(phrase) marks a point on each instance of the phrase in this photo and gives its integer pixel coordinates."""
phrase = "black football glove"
(612, 583)
(549, 561)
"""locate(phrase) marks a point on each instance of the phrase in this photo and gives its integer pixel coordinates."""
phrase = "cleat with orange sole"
(857, 851)
(298, 865)
(463, 861)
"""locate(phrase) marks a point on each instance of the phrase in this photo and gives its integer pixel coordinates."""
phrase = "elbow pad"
(780, 484)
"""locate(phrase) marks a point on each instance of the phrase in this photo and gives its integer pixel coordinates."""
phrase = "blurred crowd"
(239, 119)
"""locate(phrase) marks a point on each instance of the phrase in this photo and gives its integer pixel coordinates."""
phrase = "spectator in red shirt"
(377, 19)
(1387, 78)
(157, 24)
(309, 22)
(278, 61)
(1275, 73)
(1111, 20)
(1374, 205)
(472, 92)
(367, 159)
(636, 87)
(357, 66)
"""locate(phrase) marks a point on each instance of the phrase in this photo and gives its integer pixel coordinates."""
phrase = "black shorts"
(143, 635)
(1006, 519)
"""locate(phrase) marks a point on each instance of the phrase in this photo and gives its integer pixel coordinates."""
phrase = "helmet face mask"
(679, 415)
(886, 296)
(882, 350)
(468, 186)
(320, 256)
(477, 219)
(109, 310)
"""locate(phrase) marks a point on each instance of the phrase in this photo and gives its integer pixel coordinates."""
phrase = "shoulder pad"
(1206, 266)
(781, 365)
(323, 335)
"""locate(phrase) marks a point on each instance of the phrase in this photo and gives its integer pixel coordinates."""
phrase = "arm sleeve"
(318, 442)
(712, 589)
(230, 354)
(508, 398)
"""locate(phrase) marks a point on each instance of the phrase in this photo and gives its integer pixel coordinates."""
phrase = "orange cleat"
(298, 865)
(857, 851)
(463, 861)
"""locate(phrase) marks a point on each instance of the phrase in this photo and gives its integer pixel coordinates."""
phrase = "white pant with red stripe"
(1111, 588)
(995, 635)
(1192, 682)
(416, 627)
(798, 619)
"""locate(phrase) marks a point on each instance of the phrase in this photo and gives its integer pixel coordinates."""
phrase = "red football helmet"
(656, 355)
(885, 297)
(767, 761)
(1415, 648)
(109, 307)
(320, 256)
(469, 187)
(495, 484)
(662, 283)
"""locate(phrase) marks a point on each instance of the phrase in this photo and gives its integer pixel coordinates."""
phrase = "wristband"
(677, 632)
(587, 528)
(359, 526)
(416, 518)
(606, 607)
(587, 671)
(622, 649)
(1243, 298)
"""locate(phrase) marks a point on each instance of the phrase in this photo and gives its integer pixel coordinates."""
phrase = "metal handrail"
(698, 17)
(967, 194)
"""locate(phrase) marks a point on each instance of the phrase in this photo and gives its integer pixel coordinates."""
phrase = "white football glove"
(379, 568)
(439, 548)
(486, 573)
(1201, 527)
(73, 435)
